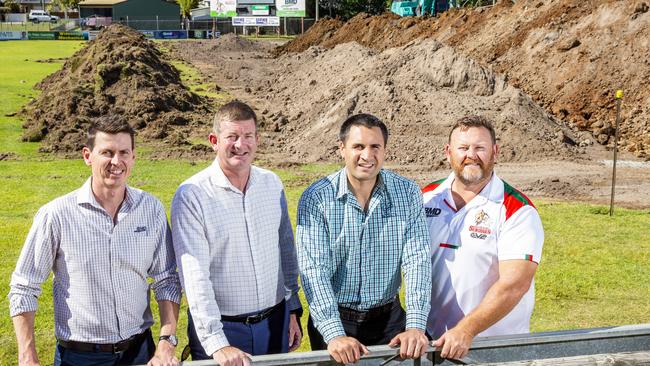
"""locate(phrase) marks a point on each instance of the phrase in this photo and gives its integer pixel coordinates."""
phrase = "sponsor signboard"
(7, 35)
(290, 8)
(72, 36)
(260, 9)
(42, 35)
(223, 8)
(165, 34)
(257, 21)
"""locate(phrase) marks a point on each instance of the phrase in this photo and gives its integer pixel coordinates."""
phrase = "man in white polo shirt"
(486, 243)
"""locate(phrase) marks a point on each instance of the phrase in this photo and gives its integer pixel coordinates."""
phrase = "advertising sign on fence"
(73, 36)
(42, 35)
(7, 35)
(257, 21)
(290, 8)
(223, 8)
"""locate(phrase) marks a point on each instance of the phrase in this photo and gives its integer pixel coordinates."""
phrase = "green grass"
(594, 271)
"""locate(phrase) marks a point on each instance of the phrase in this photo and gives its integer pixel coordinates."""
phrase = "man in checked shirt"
(358, 229)
(235, 250)
(102, 242)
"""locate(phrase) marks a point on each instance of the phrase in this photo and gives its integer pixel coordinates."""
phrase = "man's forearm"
(515, 278)
(24, 328)
(168, 316)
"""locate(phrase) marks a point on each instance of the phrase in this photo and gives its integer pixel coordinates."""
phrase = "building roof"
(101, 2)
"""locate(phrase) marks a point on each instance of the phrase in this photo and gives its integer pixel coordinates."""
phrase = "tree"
(186, 6)
(65, 5)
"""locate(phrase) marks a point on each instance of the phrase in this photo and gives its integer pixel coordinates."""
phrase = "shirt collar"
(219, 178)
(488, 193)
(380, 189)
(85, 196)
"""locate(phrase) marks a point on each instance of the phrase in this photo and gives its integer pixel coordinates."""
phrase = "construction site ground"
(419, 89)
(544, 71)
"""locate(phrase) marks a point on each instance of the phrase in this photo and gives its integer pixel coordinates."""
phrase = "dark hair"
(365, 120)
(474, 121)
(233, 111)
(113, 125)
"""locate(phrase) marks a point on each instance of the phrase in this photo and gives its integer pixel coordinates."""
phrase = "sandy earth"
(418, 89)
(417, 74)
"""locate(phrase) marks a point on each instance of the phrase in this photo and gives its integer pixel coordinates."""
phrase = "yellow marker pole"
(619, 97)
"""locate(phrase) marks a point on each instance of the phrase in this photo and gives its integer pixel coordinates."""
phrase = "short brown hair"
(233, 111)
(112, 124)
(474, 121)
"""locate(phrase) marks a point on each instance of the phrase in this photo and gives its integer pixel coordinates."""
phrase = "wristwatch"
(169, 338)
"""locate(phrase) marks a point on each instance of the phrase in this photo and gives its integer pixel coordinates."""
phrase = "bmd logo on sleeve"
(432, 212)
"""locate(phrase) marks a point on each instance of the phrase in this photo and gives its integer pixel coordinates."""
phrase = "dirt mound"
(119, 72)
(419, 89)
(315, 35)
(568, 55)
(379, 32)
(232, 42)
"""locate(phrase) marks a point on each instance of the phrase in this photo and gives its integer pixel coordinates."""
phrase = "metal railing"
(535, 346)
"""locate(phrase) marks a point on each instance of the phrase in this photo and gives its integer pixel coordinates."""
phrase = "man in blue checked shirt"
(358, 229)
(102, 241)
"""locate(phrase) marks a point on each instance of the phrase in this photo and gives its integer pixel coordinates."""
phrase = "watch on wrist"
(172, 339)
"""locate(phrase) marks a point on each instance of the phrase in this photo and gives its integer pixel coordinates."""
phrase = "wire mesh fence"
(196, 28)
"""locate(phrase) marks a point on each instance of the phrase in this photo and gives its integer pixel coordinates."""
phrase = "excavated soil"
(570, 56)
(119, 72)
(419, 89)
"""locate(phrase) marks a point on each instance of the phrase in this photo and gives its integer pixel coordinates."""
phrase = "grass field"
(594, 270)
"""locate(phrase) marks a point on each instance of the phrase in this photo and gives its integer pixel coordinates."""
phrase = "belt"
(118, 347)
(365, 315)
(253, 319)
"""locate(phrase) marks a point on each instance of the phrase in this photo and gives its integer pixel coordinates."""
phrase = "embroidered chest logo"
(432, 212)
(480, 229)
(140, 229)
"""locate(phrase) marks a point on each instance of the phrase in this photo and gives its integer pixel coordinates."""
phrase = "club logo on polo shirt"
(432, 212)
(480, 229)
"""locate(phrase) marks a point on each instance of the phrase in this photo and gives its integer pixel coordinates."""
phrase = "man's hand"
(231, 356)
(294, 333)
(165, 355)
(454, 343)
(413, 343)
(346, 349)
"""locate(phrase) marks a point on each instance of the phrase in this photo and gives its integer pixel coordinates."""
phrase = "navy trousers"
(271, 335)
(136, 355)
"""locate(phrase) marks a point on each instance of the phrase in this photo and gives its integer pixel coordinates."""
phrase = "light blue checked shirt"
(100, 287)
(352, 258)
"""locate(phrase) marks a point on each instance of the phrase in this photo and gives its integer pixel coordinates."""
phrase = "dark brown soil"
(121, 72)
(570, 56)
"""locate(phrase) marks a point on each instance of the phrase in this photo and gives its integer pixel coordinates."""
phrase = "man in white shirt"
(235, 250)
(102, 242)
(486, 243)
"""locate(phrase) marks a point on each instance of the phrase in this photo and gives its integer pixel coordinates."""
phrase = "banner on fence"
(204, 34)
(42, 35)
(73, 36)
(223, 8)
(290, 8)
(12, 35)
(167, 34)
(257, 21)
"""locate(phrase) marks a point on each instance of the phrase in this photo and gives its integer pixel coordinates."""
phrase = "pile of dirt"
(569, 55)
(315, 35)
(419, 89)
(121, 72)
